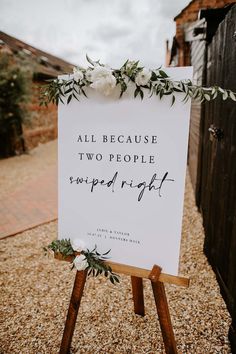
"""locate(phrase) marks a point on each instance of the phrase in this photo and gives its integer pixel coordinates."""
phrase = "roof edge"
(40, 51)
(182, 11)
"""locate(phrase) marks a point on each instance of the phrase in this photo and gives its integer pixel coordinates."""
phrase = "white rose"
(80, 262)
(103, 80)
(143, 77)
(78, 245)
(77, 74)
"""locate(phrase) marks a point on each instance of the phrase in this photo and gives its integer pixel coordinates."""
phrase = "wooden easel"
(157, 280)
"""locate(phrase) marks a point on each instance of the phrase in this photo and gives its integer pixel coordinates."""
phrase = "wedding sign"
(122, 166)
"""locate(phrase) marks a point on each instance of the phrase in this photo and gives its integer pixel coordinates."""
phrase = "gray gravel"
(35, 292)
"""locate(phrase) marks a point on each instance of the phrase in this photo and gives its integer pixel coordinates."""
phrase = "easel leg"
(75, 300)
(164, 317)
(137, 290)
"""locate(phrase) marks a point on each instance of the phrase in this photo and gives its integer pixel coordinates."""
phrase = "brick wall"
(188, 15)
(41, 124)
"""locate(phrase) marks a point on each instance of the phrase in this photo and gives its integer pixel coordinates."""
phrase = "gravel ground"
(35, 292)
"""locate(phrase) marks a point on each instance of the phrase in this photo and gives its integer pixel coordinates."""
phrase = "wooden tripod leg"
(75, 300)
(164, 317)
(137, 290)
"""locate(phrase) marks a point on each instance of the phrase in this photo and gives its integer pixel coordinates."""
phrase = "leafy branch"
(95, 264)
(61, 246)
(98, 267)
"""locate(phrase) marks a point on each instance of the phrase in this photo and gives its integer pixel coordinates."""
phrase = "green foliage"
(13, 91)
(160, 84)
(60, 90)
(61, 246)
(96, 261)
(97, 265)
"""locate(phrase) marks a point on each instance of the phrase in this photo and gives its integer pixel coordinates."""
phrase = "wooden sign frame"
(157, 279)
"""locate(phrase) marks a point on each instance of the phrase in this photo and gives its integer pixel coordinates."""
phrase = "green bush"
(15, 82)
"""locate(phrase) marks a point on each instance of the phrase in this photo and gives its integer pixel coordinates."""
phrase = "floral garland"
(104, 79)
(82, 258)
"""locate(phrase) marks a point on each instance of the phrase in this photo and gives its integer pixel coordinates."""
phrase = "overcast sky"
(110, 30)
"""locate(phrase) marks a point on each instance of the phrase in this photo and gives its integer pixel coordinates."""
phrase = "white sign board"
(122, 166)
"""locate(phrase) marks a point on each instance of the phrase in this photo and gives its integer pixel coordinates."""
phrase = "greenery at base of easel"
(92, 261)
(104, 79)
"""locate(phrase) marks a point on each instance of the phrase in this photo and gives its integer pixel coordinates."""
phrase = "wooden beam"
(136, 272)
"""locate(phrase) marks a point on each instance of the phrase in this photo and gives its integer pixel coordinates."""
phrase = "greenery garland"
(105, 79)
(92, 261)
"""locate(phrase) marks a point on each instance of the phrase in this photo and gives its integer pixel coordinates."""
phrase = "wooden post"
(75, 300)
(137, 290)
(164, 317)
(163, 310)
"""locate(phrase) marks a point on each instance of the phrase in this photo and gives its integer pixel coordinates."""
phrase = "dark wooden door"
(218, 166)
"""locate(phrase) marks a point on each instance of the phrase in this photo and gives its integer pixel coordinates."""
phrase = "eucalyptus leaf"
(225, 95)
(163, 73)
(232, 96)
(207, 97)
(69, 99)
(172, 100)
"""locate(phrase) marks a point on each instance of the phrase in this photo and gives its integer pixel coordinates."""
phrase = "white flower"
(77, 74)
(80, 262)
(143, 77)
(78, 245)
(88, 75)
(102, 80)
